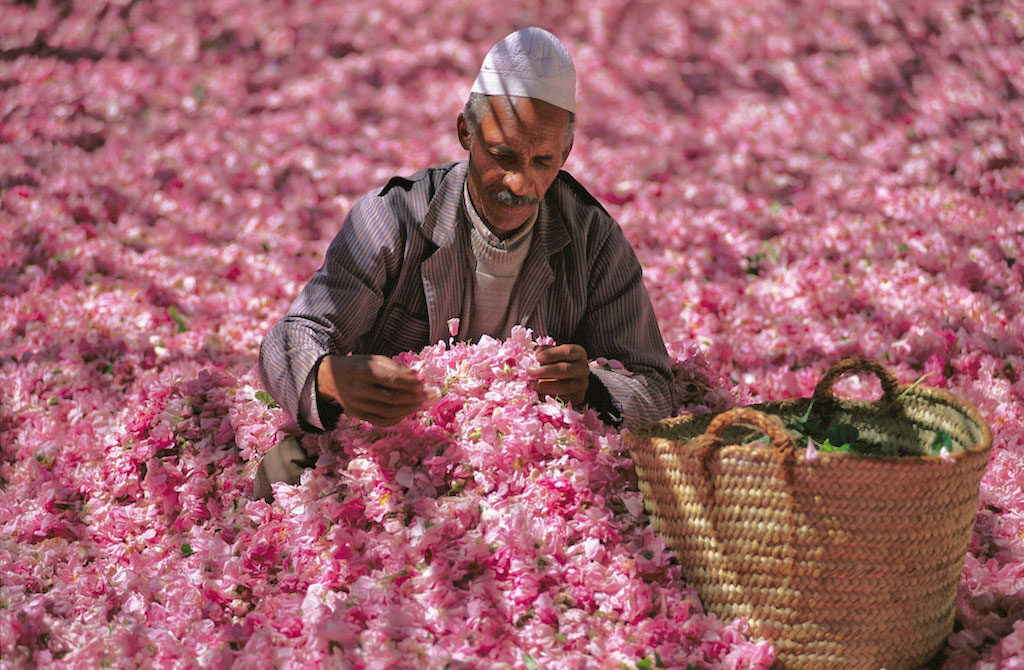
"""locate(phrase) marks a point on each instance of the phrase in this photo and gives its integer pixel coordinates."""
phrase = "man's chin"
(508, 226)
(509, 219)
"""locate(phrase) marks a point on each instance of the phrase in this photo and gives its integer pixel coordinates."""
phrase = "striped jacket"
(397, 269)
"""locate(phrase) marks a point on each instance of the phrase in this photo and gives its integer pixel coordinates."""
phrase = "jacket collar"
(444, 215)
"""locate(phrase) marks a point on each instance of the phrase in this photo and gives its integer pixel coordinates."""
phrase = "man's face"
(513, 158)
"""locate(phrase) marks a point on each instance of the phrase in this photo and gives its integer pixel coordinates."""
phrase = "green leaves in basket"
(807, 414)
(914, 385)
(761, 439)
(840, 438)
(942, 439)
(805, 427)
(828, 447)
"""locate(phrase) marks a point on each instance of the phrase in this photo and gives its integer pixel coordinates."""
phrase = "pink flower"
(811, 453)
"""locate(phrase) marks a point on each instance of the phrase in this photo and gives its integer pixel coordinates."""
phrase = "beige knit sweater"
(495, 264)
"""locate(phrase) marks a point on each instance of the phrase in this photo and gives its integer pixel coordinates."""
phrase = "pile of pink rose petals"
(801, 182)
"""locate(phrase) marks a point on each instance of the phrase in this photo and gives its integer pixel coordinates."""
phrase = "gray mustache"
(510, 199)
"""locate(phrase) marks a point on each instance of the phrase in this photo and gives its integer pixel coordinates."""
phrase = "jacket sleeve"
(619, 324)
(333, 311)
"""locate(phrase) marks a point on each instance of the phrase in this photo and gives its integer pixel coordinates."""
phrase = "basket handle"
(823, 395)
(782, 449)
(770, 425)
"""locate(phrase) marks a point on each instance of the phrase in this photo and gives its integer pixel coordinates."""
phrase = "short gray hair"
(474, 111)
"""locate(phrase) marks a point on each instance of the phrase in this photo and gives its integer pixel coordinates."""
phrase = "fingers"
(565, 361)
(562, 352)
(377, 395)
(375, 388)
(367, 405)
(573, 391)
(377, 413)
(559, 370)
(391, 385)
(563, 372)
(388, 373)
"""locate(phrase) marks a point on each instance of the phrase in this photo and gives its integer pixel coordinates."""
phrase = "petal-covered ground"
(802, 182)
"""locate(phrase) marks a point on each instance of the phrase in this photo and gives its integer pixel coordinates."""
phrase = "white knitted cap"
(529, 63)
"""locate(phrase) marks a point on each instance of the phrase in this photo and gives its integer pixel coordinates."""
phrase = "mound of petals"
(491, 528)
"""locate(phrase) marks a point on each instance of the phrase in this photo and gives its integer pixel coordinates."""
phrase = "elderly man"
(505, 238)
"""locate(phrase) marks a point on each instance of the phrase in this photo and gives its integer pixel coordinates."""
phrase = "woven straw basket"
(846, 561)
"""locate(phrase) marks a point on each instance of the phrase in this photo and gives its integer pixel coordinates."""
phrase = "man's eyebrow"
(499, 147)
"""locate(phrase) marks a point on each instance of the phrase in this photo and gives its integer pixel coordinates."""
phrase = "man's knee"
(285, 462)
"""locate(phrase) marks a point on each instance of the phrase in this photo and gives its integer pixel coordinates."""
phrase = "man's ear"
(566, 152)
(462, 127)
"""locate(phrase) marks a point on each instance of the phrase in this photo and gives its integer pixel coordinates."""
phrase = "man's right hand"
(372, 388)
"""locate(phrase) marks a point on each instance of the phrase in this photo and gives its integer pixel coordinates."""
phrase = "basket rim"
(653, 432)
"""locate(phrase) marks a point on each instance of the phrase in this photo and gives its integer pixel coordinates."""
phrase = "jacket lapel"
(444, 273)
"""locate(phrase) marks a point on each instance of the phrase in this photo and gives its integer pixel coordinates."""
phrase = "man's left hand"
(563, 372)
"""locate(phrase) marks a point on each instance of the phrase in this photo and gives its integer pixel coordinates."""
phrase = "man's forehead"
(521, 115)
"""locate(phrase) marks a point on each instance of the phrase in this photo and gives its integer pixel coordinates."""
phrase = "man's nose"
(517, 181)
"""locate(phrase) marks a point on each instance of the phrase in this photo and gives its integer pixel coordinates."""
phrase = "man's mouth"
(513, 201)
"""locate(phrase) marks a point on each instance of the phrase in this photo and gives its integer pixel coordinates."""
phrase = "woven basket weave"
(847, 561)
